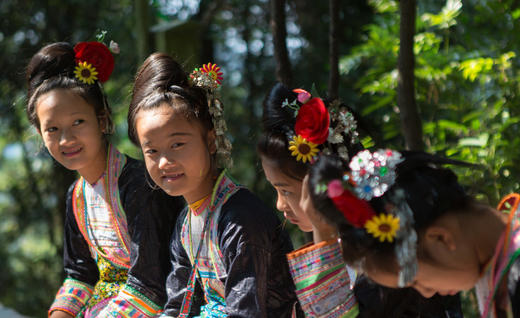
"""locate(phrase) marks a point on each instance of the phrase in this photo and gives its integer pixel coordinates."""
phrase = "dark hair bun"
(276, 117)
(52, 60)
(162, 80)
(158, 72)
(52, 67)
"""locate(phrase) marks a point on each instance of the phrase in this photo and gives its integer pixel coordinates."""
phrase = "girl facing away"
(296, 126)
(116, 227)
(409, 223)
(226, 242)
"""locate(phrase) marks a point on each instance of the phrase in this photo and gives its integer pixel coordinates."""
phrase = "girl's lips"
(71, 153)
(293, 221)
(172, 176)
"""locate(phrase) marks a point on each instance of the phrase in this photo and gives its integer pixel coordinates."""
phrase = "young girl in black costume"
(226, 241)
(322, 280)
(116, 226)
(409, 223)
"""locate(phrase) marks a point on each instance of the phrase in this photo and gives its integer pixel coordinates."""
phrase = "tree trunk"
(411, 125)
(333, 49)
(283, 64)
(207, 11)
(141, 28)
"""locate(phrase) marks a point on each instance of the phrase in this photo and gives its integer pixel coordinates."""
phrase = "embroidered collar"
(115, 163)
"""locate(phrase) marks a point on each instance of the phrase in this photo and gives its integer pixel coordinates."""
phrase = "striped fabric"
(322, 281)
(210, 267)
(131, 304)
(72, 297)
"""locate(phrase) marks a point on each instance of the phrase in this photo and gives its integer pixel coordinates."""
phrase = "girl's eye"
(78, 121)
(285, 193)
(51, 129)
(177, 145)
(150, 151)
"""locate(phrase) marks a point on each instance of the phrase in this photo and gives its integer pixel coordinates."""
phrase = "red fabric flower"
(312, 122)
(356, 211)
(98, 55)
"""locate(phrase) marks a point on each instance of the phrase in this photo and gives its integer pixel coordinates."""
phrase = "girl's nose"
(165, 162)
(281, 204)
(66, 137)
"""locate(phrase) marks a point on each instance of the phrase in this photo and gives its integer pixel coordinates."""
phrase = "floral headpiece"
(94, 65)
(94, 62)
(313, 127)
(209, 77)
(370, 176)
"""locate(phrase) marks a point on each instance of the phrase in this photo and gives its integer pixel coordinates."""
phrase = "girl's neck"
(486, 230)
(203, 190)
(95, 170)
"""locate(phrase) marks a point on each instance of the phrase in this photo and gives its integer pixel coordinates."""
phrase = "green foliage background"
(466, 89)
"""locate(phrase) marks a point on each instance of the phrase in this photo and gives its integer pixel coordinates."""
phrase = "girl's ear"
(439, 240)
(212, 141)
(103, 123)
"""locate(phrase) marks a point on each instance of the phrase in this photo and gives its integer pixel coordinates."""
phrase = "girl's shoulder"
(513, 285)
(247, 210)
(244, 202)
(139, 195)
(133, 168)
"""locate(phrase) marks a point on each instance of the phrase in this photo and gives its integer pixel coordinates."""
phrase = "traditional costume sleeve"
(254, 245)
(323, 284)
(80, 267)
(377, 301)
(513, 286)
(177, 280)
(151, 216)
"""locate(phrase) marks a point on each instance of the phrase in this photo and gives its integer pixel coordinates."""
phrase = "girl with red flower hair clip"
(116, 234)
(298, 129)
(412, 225)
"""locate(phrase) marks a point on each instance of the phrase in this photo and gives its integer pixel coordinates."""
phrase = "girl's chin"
(304, 228)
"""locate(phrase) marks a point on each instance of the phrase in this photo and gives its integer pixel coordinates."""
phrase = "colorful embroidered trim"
(507, 251)
(72, 297)
(322, 281)
(207, 259)
(131, 304)
(115, 163)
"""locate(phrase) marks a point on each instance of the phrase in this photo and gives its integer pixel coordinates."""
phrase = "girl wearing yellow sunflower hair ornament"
(116, 235)
(297, 129)
(405, 221)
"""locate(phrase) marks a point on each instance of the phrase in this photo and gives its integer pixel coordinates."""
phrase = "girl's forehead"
(164, 122)
(61, 102)
(276, 176)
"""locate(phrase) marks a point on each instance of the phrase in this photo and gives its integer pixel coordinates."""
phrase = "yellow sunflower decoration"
(384, 227)
(302, 149)
(86, 73)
